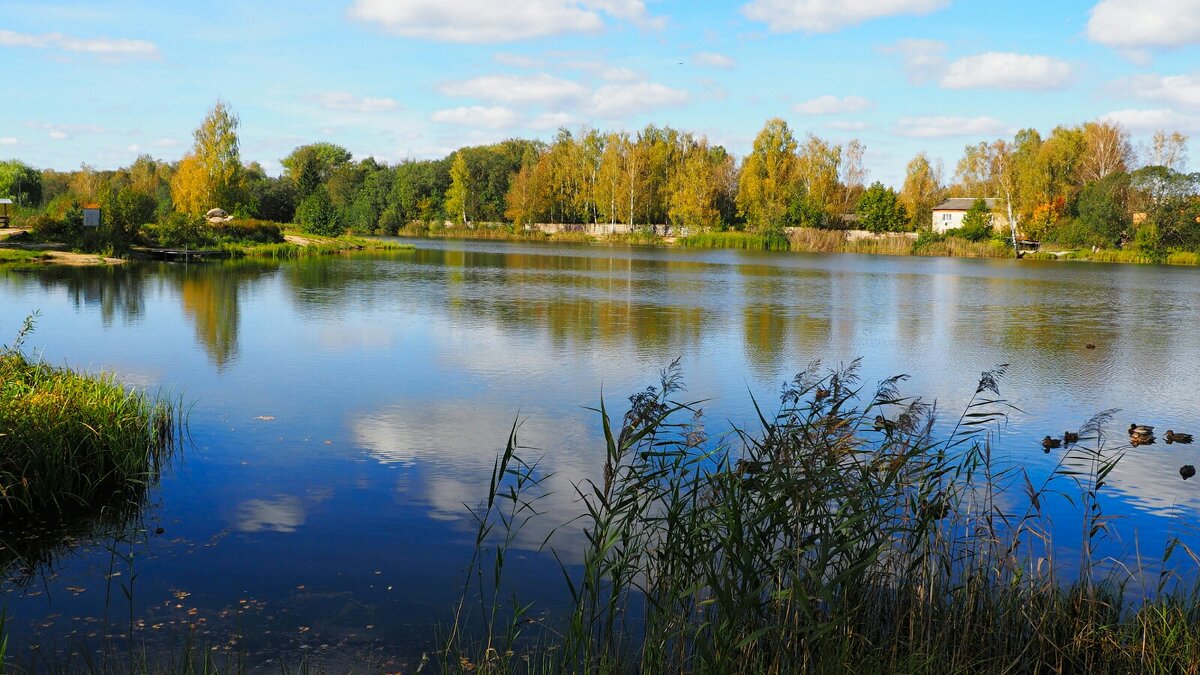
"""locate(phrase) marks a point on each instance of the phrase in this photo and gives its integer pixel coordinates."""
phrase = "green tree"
(769, 177)
(881, 210)
(977, 223)
(123, 213)
(21, 182)
(318, 215)
(1103, 209)
(310, 166)
(695, 187)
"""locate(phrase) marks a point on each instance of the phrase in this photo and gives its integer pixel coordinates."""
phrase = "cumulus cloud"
(622, 100)
(495, 117)
(1140, 24)
(479, 21)
(552, 120)
(832, 105)
(539, 90)
(1183, 90)
(103, 47)
(1147, 121)
(343, 102)
(1005, 70)
(827, 16)
(923, 60)
(713, 60)
(7, 140)
(949, 126)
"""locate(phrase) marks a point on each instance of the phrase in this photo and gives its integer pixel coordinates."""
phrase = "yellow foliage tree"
(212, 174)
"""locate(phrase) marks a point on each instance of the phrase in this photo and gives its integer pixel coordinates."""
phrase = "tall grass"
(839, 536)
(70, 441)
(736, 240)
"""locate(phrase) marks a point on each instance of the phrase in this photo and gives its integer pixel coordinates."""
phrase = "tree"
(853, 174)
(694, 189)
(21, 182)
(1107, 150)
(818, 168)
(309, 166)
(1103, 208)
(211, 175)
(523, 201)
(769, 177)
(318, 215)
(458, 196)
(124, 211)
(881, 211)
(922, 190)
(1169, 150)
(977, 223)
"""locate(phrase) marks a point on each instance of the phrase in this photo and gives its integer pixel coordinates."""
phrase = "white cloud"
(118, 48)
(497, 117)
(827, 16)
(477, 21)
(61, 132)
(58, 135)
(621, 100)
(949, 126)
(832, 105)
(1147, 121)
(604, 71)
(1137, 24)
(344, 102)
(166, 143)
(1005, 70)
(7, 140)
(1183, 90)
(539, 90)
(713, 60)
(844, 125)
(552, 120)
(923, 60)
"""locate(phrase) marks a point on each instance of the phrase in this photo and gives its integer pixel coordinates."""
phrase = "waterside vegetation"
(840, 536)
(1081, 189)
(73, 442)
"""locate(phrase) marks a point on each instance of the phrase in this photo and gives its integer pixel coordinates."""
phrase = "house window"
(946, 217)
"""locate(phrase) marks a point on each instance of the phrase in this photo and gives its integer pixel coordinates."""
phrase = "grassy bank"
(71, 441)
(826, 540)
(303, 245)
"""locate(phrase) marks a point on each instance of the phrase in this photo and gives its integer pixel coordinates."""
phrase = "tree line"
(1081, 185)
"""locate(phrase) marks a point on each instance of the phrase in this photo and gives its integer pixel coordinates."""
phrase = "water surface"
(345, 409)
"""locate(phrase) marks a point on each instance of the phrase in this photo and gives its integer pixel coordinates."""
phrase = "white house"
(949, 214)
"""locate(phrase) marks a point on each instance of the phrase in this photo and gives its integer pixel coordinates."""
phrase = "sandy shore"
(55, 255)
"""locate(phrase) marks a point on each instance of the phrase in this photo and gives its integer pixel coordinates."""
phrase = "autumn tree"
(769, 177)
(694, 188)
(1169, 150)
(818, 168)
(459, 196)
(1107, 150)
(922, 190)
(523, 202)
(211, 175)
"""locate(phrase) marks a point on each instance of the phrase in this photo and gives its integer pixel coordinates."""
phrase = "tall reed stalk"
(841, 535)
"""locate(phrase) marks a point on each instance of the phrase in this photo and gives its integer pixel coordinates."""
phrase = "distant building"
(6, 211)
(949, 214)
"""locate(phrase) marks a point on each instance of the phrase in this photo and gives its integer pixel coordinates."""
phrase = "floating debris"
(1187, 471)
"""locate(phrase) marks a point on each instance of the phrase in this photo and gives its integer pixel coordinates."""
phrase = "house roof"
(963, 203)
(5, 201)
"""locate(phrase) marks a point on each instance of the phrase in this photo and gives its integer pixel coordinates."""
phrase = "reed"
(735, 240)
(826, 540)
(71, 441)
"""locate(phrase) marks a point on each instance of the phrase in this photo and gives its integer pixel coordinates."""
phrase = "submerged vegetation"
(72, 442)
(837, 537)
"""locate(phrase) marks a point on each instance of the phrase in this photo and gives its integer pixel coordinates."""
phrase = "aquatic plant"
(737, 240)
(70, 441)
(824, 541)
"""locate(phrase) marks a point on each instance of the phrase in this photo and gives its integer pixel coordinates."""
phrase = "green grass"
(317, 246)
(824, 542)
(19, 256)
(71, 441)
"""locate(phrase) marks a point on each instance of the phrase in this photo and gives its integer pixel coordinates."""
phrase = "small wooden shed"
(6, 212)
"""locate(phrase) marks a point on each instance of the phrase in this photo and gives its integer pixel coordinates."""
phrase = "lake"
(345, 411)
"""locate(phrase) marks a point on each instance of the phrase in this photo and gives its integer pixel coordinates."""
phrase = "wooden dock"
(184, 254)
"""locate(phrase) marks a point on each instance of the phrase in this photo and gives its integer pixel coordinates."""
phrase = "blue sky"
(103, 82)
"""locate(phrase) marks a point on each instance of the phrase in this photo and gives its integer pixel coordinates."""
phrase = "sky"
(102, 82)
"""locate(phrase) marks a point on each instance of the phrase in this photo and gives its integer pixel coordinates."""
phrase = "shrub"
(317, 215)
(249, 230)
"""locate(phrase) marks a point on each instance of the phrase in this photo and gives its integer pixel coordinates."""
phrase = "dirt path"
(54, 253)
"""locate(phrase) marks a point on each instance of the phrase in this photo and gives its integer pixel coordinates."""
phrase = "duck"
(1070, 437)
(1141, 434)
(1090, 345)
(1173, 437)
(1049, 443)
(1187, 471)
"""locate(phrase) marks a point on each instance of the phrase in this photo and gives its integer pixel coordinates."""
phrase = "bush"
(318, 215)
(249, 230)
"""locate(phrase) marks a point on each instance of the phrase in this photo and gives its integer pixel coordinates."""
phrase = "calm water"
(345, 409)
